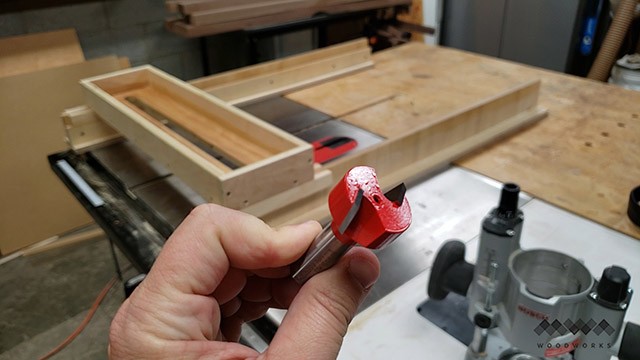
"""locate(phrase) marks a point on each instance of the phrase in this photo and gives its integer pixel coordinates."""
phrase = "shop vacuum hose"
(613, 40)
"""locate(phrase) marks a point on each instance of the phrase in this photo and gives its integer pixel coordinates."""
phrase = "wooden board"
(295, 8)
(276, 77)
(583, 157)
(191, 6)
(253, 8)
(270, 160)
(35, 204)
(402, 155)
(397, 102)
(85, 130)
(239, 12)
(406, 89)
(322, 182)
(429, 146)
(57, 242)
(186, 29)
(432, 109)
(32, 52)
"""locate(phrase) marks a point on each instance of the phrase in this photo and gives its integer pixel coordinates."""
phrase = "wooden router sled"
(273, 175)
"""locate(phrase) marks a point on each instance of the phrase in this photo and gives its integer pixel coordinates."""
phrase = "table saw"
(571, 145)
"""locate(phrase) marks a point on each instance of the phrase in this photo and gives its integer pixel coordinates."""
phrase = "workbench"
(578, 163)
(583, 157)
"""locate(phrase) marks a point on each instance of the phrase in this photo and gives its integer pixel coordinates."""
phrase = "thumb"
(319, 315)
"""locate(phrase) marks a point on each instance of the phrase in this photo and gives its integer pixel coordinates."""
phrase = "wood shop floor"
(45, 296)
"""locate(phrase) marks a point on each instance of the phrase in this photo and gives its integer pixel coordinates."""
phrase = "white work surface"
(452, 205)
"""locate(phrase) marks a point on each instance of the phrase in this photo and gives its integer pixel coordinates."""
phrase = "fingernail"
(363, 272)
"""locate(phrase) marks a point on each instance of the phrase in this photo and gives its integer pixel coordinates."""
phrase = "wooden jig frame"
(265, 188)
(85, 129)
(428, 147)
(288, 160)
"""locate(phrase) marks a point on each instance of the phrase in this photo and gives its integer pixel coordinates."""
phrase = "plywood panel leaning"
(36, 205)
(26, 53)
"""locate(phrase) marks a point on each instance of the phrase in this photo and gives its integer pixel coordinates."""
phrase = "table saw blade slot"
(207, 147)
(227, 155)
(331, 138)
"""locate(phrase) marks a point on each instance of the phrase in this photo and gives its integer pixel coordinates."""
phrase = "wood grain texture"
(322, 180)
(431, 144)
(26, 53)
(185, 28)
(292, 78)
(294, 8)
(197, 171)
(419, 84)
(239, 12)
(583, 157)
(454, 133)
(240, 147)
(299, 61)
(187, 7)
(85, 130)
(280, 162)
(315, 206)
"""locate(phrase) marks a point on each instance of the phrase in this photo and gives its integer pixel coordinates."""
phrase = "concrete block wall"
(131, 28)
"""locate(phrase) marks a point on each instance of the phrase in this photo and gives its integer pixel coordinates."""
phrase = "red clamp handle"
(363, 214)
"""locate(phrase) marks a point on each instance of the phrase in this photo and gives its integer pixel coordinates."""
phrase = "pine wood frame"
(290, 162)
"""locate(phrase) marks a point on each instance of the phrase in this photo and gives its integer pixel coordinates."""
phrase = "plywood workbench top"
(584, 157)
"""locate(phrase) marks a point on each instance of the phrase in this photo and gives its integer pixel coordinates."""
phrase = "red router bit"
(361, 214)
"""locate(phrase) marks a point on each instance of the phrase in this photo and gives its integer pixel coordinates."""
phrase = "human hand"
(221, 268)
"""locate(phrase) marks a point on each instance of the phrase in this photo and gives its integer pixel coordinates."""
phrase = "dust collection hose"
(615, 36)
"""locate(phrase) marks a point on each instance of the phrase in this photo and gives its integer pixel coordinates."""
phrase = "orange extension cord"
(85, 321)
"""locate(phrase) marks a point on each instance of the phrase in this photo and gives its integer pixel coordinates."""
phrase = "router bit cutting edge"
(361, 215)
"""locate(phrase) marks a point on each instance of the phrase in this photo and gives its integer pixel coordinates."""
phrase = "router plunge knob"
(614, 285)
(508, 206)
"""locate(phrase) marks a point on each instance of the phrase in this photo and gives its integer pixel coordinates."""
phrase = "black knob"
(508, 206)
(633, 209)
(482, 321)
(614, 284)
(450, 272)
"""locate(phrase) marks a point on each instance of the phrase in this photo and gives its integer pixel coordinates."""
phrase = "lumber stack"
(194, 18)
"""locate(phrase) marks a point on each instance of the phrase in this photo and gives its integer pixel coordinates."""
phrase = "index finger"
(212, 238)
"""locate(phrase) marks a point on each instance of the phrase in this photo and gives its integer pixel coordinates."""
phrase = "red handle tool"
(361, 214)
(331, 147)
